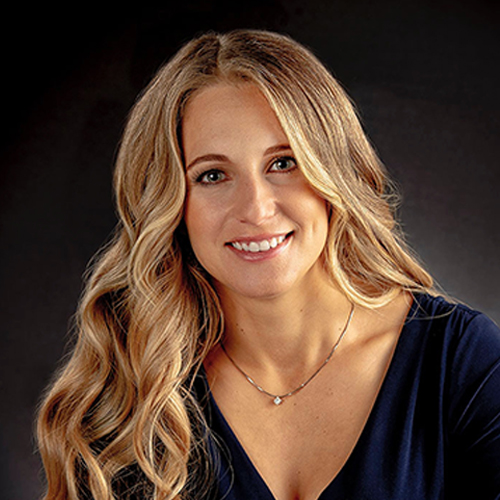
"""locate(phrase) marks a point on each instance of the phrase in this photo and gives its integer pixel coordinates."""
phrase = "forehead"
(223, 94)
(227, 114)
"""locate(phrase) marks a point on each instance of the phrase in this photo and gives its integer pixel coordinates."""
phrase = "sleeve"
(474, 417)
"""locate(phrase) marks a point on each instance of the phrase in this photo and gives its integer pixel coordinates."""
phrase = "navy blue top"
(434, 431)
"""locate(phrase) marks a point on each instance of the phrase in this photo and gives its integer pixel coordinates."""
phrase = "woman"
(258, 328)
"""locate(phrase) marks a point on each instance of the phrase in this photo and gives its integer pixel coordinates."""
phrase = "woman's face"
(254, 222)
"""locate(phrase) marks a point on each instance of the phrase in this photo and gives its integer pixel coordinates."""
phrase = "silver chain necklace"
(279, 398)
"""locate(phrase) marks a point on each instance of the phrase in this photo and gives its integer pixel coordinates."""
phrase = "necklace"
(279, 398)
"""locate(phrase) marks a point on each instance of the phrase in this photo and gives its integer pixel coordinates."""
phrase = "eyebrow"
(223, 158)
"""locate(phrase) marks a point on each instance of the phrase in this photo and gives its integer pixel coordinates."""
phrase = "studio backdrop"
(424, 76)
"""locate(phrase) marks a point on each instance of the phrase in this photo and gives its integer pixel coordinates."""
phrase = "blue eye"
(285, 164)
(211, 177)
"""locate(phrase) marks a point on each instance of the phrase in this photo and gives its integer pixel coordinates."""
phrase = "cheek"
(315, 216)
(315, 210)
(322, 226)
(203, 223)
(195, 221)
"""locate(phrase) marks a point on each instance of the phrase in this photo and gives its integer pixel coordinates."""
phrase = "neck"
(288, 335)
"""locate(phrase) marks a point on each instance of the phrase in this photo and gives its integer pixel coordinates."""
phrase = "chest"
(299, 447)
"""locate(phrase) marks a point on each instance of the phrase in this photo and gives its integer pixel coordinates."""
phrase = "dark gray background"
(424, 75)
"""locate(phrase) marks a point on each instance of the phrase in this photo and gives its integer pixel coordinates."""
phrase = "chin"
(257, 289)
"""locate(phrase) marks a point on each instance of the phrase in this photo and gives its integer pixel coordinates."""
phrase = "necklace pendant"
(277, 401)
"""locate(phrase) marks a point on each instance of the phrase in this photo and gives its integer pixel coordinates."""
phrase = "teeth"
(259, 246)
(264, 246)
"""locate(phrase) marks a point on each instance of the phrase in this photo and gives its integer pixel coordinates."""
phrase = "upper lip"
(258, 237)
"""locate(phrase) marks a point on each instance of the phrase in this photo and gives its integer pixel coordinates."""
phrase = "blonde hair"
(149, 315)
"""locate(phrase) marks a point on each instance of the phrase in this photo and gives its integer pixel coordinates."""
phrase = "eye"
(211, 177)
(284, 164)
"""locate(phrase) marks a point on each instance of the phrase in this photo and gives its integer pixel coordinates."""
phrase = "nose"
(255, 200)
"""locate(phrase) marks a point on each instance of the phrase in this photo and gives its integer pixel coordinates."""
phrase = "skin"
(252, 191)
(282, 313)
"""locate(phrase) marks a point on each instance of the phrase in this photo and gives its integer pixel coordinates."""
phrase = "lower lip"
(261, 256)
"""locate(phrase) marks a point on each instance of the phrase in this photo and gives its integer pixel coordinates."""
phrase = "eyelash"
(200, 178)
(288, 159)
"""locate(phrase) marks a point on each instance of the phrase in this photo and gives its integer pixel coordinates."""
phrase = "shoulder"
(456, 322)
(428, 307)
(458, 342)
(465, 346)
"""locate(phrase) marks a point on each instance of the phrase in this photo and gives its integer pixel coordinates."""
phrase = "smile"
(260, 245)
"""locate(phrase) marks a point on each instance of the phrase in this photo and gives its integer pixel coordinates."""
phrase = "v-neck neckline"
(369, 423)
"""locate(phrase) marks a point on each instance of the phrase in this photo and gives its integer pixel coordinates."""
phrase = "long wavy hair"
(122, 405)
